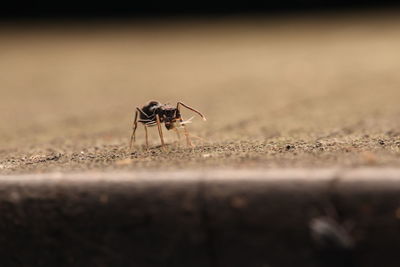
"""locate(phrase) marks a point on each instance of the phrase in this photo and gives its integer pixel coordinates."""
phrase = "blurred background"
(118, 8)
(73, 71)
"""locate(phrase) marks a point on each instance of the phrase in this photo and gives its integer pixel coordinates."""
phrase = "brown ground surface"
(277, 92)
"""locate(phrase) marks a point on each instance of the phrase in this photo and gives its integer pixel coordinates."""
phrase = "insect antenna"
(192, 109)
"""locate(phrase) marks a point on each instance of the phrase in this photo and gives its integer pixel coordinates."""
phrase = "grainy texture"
(283, 92)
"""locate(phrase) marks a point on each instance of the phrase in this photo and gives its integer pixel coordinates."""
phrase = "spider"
(155, 113)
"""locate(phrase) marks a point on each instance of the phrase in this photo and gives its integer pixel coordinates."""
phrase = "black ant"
(155, 113)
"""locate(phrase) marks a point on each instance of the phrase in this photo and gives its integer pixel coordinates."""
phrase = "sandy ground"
(277, 92)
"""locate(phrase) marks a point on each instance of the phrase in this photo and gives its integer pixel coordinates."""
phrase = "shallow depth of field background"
(277, 91)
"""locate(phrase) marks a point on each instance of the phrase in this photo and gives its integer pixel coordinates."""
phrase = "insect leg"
(160, 130)
(178, 134)
(190, 108)
(147, 137)
(141, 111)
(133, 136)
(189, 143)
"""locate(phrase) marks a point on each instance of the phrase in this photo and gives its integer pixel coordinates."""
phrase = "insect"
(154, 113)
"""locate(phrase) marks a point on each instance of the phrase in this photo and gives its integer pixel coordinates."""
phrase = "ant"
(155, 113)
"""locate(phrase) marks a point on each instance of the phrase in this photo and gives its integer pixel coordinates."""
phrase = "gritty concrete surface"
(278, 92)
(301, 217)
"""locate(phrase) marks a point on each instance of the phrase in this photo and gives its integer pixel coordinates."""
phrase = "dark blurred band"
(121, 9)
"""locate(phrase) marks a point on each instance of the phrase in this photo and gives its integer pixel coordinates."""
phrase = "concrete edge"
(369, 175)
(292, 217)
